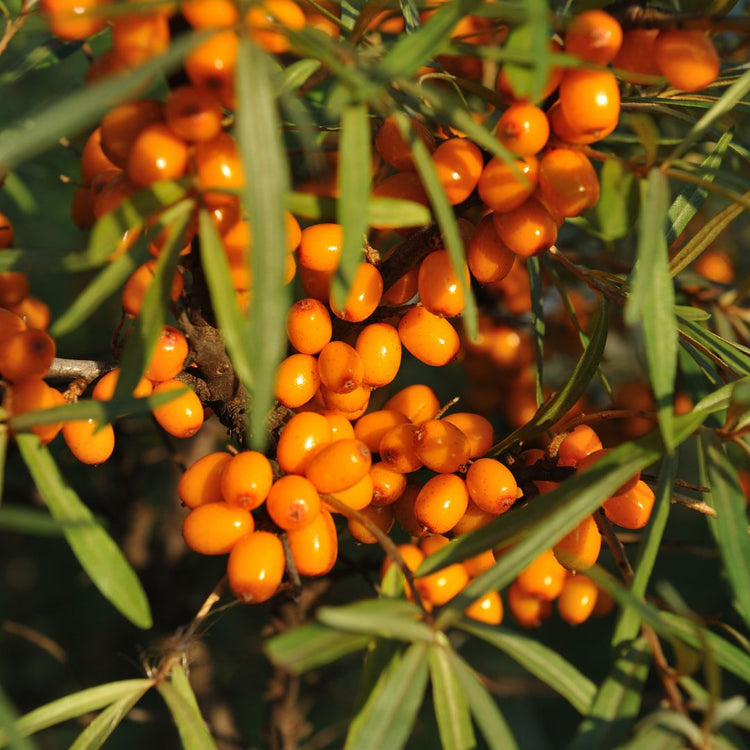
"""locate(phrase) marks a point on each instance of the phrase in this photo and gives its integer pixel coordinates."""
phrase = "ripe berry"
(568, 182)
(576, 445)
(340, 367)
(10, 323)
(459, 164)
(339, 465)
(74, 19)
(25, 354)
(477, 429)
(314, 547)
(686, 58)
(193, 114)
(138, 283)
(592, 458)
(417, 403)
(357, 497)
(122, 125)
(14, 287)
(169, 355)
(392, 147)
(441, 446)
(491, 485)
(431, 339)
(308, 326)
(246, 480)
(527, 230)
(523, 129)
(577, 599)
(631, 509)
(297, 380)
(256, 566)
(381, 517)
(210, 14)
(341, 427)
(487, 609)
(410, 554)
(579, 549)
(293, 502)
(593, 36)
(441, 503)
(479, 563)
(636, 54)
(214, 528)
(181, 417)
(219, 169)
(33, 394)
(379, 347)
(398, 448)
(387, 485)
(589, 99)
(404, 185)
(503, 187)
(201, 482)
(364, 295)
(105, 386)
(90, 442)
(304, 435)
(440, 587)
(93, 159)
(543, 577)
(211, 65)
(489, 258)
(140, 37)
(473, 518)
(353, 404)
(372, 427)
(264, 20)
(320, 247)
(439, 284)
(529, 610)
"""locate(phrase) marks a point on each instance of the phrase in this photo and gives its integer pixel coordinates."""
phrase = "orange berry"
(576, 445)
(25, 354)
(214, 528)
(527, 230)
(473, 518)
(588, 461)
(7, 233)
(340, 367)
(256, 566)
(109, 189)
(631, 509)
(489, 258)
(353, 404)
(210, 14)
(593, 36)
(105, 386)
(687, 58)
(211, 65)
(371, 428)
(303, 436)
(404, 185)
(417, 403)
(10, 323)
(169, 355)
(392, 147)
(357, 497)
(379, 347)
(246, 480)
(523, 129)
(297, 380)
(192, 113)
(33, 394)
(714, 265)
(314, 547)
(441, 586)
(363, 297)
(387, 485)
(403, 289)
(201, 482)
(543, 577)
(140, 37)
(82, 208)
(569, 133)
(429, 338)
(577, 599)
(568, 181)
(477, 429)
(459, 164)
(89, 441)
(320, 247)
(14, 288)
(554, 75)
(339, 465)
(589, 99)
(503, 187)
(636, 53)
(74, 19)
(604, 603)
(316, 284)
(138, 283)
(122, 125)
(480, 563)
(293, 502)
(93, 159)
(491, 485)
(308, 326)
(441, 446)
(487, 609)
(219, 169)
(403, 511)
(441, 503)
(341, 427)
(579, 549)
(410, 554)
(529, 610)
(381, 517)
(181, 417)
(270, 15)
(439, 284)
(398, 448)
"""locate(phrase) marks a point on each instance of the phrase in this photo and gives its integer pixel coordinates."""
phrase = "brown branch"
(74, 369)
(615, 546)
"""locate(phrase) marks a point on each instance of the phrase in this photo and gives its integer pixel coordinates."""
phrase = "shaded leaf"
(21, 520)
(616, 211)
(387, 618)
(732, 356)
(396, 212)
(9, 734)
(529, 41)
(194, 733)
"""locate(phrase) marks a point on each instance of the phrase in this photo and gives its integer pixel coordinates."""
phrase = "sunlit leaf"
(194, 733)
(731, 355)
(616, 211)
(451, 706)
(22, 520)
(386, 618)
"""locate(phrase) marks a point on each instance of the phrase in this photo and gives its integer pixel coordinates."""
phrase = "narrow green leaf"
(386, 618)
(354, 184)
(537, 321)
(9, 734)
(182, 685)
(656, 737)
(99, 730)
(540, 660)
(34, 522)
(617, 702)
(98, 555)
(387, 718)
(628, 626)
(451, 707)
(194, 733)
(616, 211)
(731, 355)
(491, 722)
(730, 525)
(311, 646)
(74, 705)
(410, 12)
(295, 75)
(262, 152)
(650, 303)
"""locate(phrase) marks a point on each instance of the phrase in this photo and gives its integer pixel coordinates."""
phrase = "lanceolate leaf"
(732, 356)
(451, 707)
(21, 520)
(193, 731)
(386, 618)
(267, 181)
(9, 734)
(537, 319)
(98, 555)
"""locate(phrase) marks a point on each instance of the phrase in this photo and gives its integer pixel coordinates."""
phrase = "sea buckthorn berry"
(588, 461)
(7, 233)
(715, 265)
(89, 441)
(93, 159)
(593, 36)
(317, 284)
(480, 563)
(121, 126)
(491, 485)
(431, 543)
(210, 14)
(404, 185)
(429, 338)
(441, 503)
(527, 230)
(371, 428)
(687, 58)
(403, 289)
(579, 549)
(529, 610)
(543, 577)
(138, 283)
(108, 190)
(214, 528)
(25, 354)
(554, 76)
(293, 502)
(417, 403)
(398, 448)
(487, 609)
(341, 427)
(631, 509)
(379, 347)
(10, 323)
(403, 511)
(439, 284)
(489, 258)
(523, 129)
(356, 497)
(604, 603)
(246, 480)
(567, 132)
(304, 435)
(441, 586)
(477, 429)
(577, 599)
(589, 99)
(636, 53)
(268, 17)
(392, 147)
(308, 326)
(14, 288)
(169, 355)
(364, 295)
(34, 394)
(105, 386)
(441, 446)
(350, 403)
(340, 367)
(314, 547)
(201, 482)
(256, 566)
(568, 181)
(387, 485)
(459, 164)
(503, 186)
(410, 554)
(339, 465)
(193, 114)
(473, 518)
(381, 517)
(576, 445)
(181, 417)
(212, 63)
(297, 380)
(140, 37)
(219, 168)
(320, 247)
(73, 19)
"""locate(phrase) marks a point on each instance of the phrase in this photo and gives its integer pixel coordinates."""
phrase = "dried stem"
(74, 369)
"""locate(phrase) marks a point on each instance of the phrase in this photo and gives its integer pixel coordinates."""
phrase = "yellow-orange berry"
(201, 482)
(491, 485)
(459, 164)
(523, 129)
(594, 36)
(379, 516)
(214, 528)
(589, 99)
(219, 167)
(25, 354)
(246, 480)
(340, 367)
(297, 380)
(636, 53)
(169, 355)
(543, 576)
(479, 563)
(503, 187)
(390, 144)
(89, 441)
(138, 283)
(74, 19)
(308, 326)
(353, 404)
(356, 497)
(441, 503)
(33, 312)
(588, 461)
(398, 448)
(417, 403)
(379, 347)
(156, 154)
(293, 502)
(439, 284)
(34, 394)
(568, 182)
(303, 436)
(140, 37)
(339, 465)
(403, 511)
(320, 247)
(440, 587)
(314, 547)
(489, 258)
(441, 446)
(410, 554)
(388, 485)
(472, 519)
(341, 427)
(478, 430)
(487, 609)
(429, 338)
(268, 20)
(527, 230)
(181, 417)
(364, 295)
(93, 159)
(10, 323)
(211, 65)
(687, 58)
(529, 610)
(209, 14)
(579, 549)
(576, 445)
(256, 566)
(631, 509)
(105, 386)
(371, 428)
(577, 599)
(122, 125)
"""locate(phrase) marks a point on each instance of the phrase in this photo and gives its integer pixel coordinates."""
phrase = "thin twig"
(615, 546)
